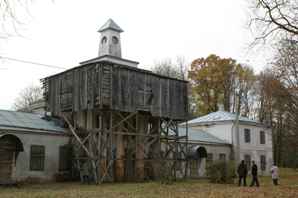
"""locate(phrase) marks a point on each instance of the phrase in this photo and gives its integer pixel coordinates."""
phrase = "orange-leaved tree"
(215, 80)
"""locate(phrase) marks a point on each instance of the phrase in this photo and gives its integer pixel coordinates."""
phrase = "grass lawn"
(190, 188)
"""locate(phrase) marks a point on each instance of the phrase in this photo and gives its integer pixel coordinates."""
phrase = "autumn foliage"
(215, 80)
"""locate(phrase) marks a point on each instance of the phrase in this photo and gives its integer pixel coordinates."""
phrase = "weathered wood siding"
(116, 87)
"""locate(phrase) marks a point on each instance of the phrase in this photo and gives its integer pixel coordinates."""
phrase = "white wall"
(51, 143)
(220, 130)
(216, 150)
(254, 148)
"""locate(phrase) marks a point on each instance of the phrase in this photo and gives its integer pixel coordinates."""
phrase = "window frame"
(263, 162)
(247, 135)
(40, 157)
(262, 137)
(222, 158)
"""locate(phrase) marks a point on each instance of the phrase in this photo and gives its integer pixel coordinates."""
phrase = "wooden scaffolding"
(129, 147)
(123, 120)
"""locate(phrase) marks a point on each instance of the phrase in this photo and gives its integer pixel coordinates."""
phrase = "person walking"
(242, 173)
(254, 174)
(274, 174)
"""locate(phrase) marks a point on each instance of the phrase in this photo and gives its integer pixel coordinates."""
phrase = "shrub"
(166, 176)
(221, 172)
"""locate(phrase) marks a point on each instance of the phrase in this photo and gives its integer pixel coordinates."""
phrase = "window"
(37, 157)
(246, 135)
(115, 40)
(263, 162)
(222, 157)
(64, 158)
(104, 40)
(247, 160)
(209, 158)
(262, 137)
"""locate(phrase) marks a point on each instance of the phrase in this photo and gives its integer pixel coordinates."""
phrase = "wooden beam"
(128, 117)
(128, 123)
(76, 136)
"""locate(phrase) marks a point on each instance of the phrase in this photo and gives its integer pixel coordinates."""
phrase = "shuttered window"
(246, 135)
(37, 158)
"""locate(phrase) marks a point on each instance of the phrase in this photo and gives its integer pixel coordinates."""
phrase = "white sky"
(64, 33)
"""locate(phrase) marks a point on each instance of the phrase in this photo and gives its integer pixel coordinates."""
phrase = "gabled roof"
(110, 24)
(200, 136)
(220, 116)
(19, 120)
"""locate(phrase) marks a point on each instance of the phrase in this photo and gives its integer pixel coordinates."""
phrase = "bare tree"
(26, 97)
(9, 17)
(13, 13)
(274, 18)
(175, 69)
(183, 67)
(278, 101)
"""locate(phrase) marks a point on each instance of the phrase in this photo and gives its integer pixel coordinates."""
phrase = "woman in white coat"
(274, 174)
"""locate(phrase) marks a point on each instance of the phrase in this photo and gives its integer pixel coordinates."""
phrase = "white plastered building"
(250, 140)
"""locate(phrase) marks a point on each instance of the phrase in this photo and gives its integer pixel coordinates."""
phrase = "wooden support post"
(186, 151)
(103, 151)
(156, 148)
(120, 154)
(99, 149)
(91, 144)
(80, 119)
(142, 128)
(111, 149)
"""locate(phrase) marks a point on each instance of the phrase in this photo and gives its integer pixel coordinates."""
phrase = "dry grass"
(191, 188)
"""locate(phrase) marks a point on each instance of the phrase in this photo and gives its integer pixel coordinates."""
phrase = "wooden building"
(124, 120)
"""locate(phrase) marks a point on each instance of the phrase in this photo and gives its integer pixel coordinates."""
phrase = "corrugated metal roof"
(219, 116)
(14, 119)
(110, 24)
(200, 135)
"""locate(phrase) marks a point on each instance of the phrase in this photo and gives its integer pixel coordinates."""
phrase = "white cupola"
(110, 43)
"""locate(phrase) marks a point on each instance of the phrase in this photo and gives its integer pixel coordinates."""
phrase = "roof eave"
(3, 127)
(210, 123)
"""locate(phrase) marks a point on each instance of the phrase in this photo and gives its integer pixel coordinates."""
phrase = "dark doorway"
(10, 146)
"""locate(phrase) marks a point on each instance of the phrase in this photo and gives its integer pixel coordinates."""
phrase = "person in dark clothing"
(254, 174)
(242, 173)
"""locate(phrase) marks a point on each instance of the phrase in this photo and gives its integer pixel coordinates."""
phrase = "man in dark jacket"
(254, 174)
(242, 173)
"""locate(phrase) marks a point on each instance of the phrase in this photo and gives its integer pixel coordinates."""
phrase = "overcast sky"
(64, 33)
